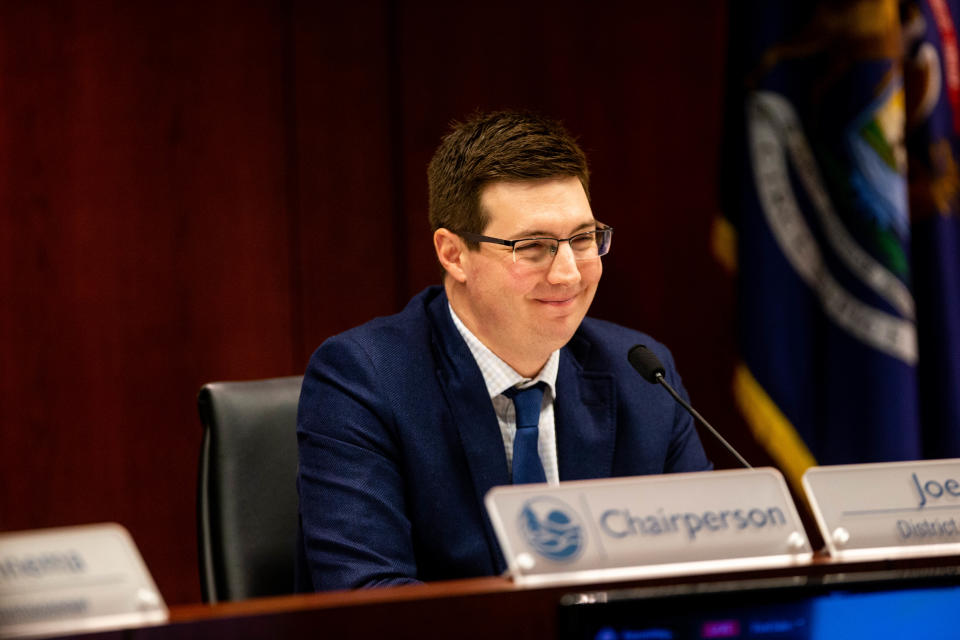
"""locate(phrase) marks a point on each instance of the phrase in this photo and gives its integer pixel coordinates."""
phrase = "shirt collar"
(498, 376)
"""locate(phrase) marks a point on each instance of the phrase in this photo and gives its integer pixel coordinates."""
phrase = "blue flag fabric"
(847, 293)
(932, 78)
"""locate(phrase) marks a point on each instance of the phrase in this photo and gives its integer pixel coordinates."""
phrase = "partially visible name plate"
(74, 580)
(622, 528)
(887, 510)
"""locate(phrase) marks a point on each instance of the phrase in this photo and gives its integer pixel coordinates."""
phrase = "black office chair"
(247, 515)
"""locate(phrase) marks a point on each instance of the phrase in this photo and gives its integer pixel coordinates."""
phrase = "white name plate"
(74, 580)
(887, 510)
(621, 528)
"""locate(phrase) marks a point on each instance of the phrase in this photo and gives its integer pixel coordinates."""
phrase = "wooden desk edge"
(821, 564)
(338, 599)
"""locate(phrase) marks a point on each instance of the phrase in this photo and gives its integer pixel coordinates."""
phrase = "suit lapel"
(585, 416)
(473, 415)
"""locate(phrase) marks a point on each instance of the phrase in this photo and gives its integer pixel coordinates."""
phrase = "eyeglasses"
(539, 252)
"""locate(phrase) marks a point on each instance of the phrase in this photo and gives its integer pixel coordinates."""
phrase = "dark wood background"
(197, 191)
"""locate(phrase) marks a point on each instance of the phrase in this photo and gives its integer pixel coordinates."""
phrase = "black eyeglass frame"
(475, 237)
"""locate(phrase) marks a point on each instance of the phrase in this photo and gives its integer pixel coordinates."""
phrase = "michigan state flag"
(840, 191)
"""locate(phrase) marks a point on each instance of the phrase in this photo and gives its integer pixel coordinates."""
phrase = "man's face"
(521, 313)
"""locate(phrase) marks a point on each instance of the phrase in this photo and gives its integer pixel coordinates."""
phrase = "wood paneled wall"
(204, 191)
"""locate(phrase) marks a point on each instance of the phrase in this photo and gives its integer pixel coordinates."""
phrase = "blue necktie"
(526, 460)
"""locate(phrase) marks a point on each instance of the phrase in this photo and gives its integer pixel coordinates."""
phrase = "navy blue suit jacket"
(399, 443)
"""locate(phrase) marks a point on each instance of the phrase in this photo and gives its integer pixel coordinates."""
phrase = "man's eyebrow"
(540, 233)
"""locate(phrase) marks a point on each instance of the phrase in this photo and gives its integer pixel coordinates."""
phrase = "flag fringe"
(772, 430)
(723, 244)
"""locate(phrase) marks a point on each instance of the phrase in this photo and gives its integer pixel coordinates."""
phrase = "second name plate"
(887, 510)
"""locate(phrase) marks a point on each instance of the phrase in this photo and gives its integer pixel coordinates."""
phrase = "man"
(407, 421)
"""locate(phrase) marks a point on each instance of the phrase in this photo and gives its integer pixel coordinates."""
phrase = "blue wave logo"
(552, 528)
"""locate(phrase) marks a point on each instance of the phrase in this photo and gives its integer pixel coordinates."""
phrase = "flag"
(932, 79)
(847, 295)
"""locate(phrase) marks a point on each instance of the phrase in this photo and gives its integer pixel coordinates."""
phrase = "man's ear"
(451, 252)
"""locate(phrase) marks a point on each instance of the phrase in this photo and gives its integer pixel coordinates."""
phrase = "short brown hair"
(504, 145)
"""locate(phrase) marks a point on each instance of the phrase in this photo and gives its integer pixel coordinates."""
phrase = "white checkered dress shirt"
(499, 376)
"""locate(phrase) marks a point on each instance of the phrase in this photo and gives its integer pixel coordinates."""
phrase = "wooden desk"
(461, 609)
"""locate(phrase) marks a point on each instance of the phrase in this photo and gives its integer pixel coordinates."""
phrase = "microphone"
(649, 366)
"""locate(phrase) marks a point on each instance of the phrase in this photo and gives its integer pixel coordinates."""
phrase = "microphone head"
(645, 362)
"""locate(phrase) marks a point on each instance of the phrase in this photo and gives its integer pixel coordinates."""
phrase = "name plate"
(622, 528)
(887, 510)
(74, 580)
